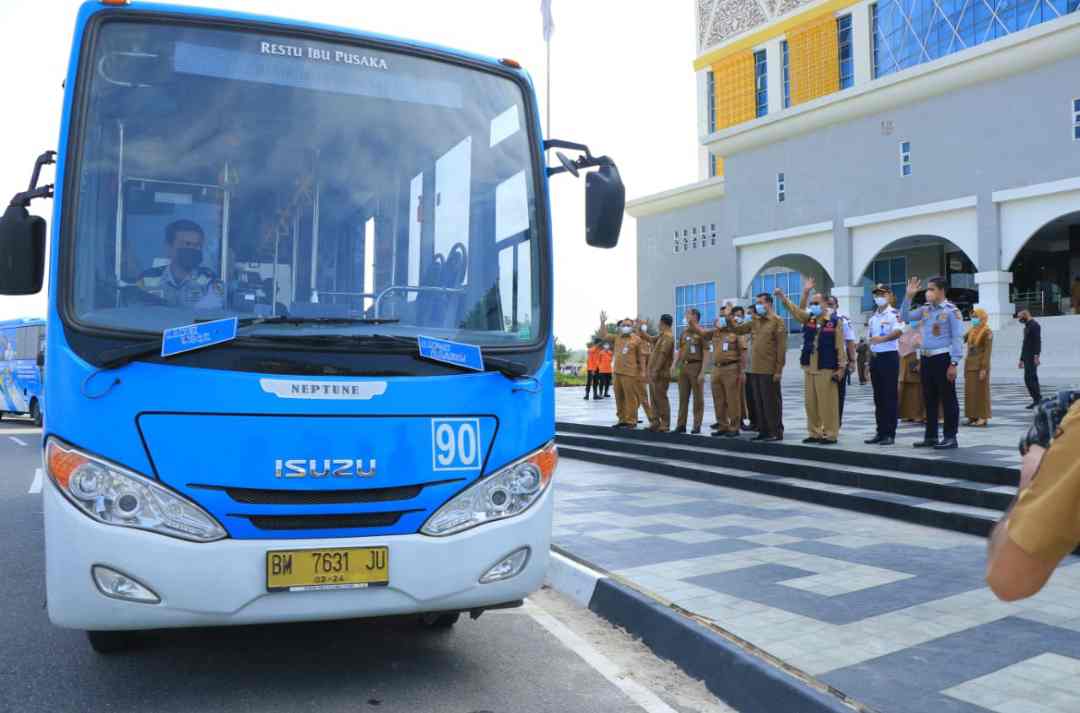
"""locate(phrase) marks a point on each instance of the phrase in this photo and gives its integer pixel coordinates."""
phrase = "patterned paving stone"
(894, 614)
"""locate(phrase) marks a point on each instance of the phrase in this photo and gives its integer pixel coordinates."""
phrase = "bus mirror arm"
(22, 200)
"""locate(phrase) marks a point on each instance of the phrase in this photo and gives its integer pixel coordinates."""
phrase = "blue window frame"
(905, 158)
(712, 165)
(761, 83)
(790, 283)
(891, 271)
(846, 58)
(785, 66)
(1076, 116)
(701, 295)
(906, 33)
(710, 88)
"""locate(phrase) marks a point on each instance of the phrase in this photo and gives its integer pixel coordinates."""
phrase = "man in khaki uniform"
(1042, 526)
(629, 370)
(691, 373)
(767, 356)
(725, 350)
(747, 416)
(641, 328)
(824, 362)
(661, 355)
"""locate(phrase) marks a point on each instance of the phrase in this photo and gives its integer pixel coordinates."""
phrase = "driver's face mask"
(189, 258)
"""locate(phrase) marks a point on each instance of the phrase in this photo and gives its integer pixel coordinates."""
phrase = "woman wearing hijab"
(980, 342)
(912, 408)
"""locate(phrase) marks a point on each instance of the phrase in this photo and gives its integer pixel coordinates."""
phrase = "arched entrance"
(923, 255)
(1044, 268)
(789, 273)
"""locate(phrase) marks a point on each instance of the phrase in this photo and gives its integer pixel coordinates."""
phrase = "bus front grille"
(261, 496)
(326, 522)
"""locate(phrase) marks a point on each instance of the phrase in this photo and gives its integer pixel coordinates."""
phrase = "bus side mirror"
(605, 201)
(22, 252)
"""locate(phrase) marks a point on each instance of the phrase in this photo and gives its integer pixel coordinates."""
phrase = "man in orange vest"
(606, 369)
(592, 367)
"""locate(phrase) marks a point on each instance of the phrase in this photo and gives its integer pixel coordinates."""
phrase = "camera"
(1048, 416)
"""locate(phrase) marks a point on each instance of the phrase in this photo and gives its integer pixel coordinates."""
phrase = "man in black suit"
(1029, 356)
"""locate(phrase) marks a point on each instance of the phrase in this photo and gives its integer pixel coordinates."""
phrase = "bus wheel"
(110, 642)
(35, 413)
(440, 621)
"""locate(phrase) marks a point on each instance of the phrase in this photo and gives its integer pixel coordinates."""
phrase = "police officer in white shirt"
(884, 329)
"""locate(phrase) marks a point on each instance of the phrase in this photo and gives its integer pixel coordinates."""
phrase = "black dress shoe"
(761, 437)
(811, 439)
(696, 431)
(680, 429)
(887, 441)
(827, 441)
(714, 426)
(926, 444)
(747, 427)
(586, 398)
(874, 441)
(718, 434)
(617, 425)
(1032, 405)
(773, 439)
(947, 444)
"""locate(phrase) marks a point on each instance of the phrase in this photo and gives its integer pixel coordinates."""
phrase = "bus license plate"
(309, 570)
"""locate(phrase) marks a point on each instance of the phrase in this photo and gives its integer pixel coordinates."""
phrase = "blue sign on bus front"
(467, 356)
(177, 340)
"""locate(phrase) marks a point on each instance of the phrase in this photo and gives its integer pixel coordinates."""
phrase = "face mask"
(643, 328)
(625, 329)
(815, 310)
(975, 321)
(1023, 320)
(915, 325)
(722, 322)
(761, 309)
(188, 258)
(880, 301)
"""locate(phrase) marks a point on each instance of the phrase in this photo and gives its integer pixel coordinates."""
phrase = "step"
(908, 484)
(891, 459)
(948, 516)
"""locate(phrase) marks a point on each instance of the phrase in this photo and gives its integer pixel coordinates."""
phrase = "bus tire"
(440, 621)
(110, 642)
(35, 413)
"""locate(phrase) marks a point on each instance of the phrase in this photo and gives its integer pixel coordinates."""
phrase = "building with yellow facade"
(867, 141)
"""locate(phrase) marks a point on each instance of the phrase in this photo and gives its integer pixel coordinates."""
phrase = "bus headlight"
(114, 495)
(506, 493)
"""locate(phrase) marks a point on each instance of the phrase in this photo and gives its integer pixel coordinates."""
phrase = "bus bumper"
(224, 583)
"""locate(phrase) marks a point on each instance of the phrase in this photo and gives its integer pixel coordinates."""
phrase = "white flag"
(549, 24)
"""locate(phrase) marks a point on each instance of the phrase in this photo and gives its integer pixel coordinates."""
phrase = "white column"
(994, 297)
(849, 300)
(774, 75)
(862, 42)
(702, 123)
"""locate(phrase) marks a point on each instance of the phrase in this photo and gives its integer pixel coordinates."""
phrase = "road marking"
(20, 441)
(35, 487)
(620, 678)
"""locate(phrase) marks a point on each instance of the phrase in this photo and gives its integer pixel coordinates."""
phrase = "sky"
(622, 82)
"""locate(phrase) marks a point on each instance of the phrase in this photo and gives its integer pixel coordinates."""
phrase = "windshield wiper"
(119, 356)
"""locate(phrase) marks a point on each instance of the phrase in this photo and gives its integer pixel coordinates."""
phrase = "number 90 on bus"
(455, 444)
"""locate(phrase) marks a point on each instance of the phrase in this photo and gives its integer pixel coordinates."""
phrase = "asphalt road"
(547, 656)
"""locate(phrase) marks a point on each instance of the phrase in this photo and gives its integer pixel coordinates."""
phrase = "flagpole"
(548, 76)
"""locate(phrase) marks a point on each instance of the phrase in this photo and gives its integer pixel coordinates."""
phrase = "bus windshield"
(225, 172)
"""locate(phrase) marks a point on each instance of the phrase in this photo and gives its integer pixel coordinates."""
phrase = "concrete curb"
(741, 678)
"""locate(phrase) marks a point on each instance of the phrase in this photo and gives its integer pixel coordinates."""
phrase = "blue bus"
(22, 361)
(299, 326)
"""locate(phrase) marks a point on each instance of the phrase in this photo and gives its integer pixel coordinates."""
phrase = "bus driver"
(184, 282)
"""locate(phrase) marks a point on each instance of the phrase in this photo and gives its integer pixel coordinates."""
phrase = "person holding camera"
(824, 363)
(1042, 525)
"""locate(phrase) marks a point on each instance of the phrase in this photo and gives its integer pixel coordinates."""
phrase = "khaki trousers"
(688, 383)
(643, 400)
(727, 397)
(661, 406)
(822, 398)
(626, 398)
